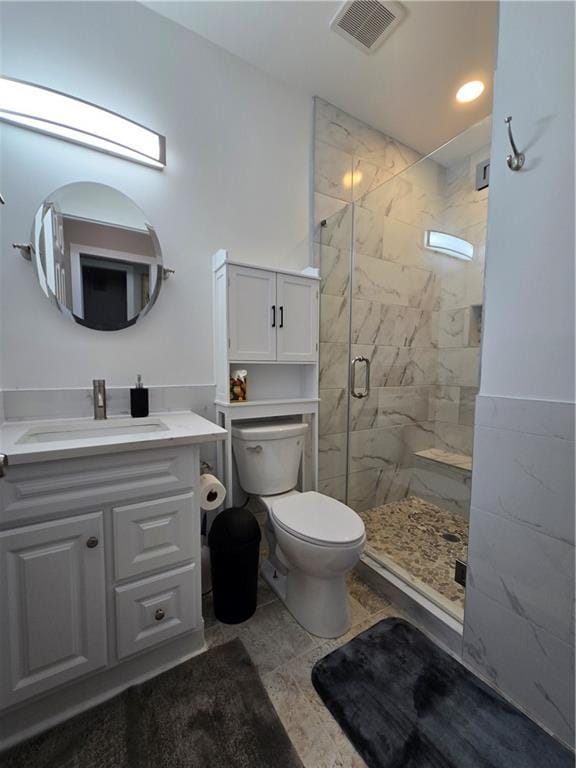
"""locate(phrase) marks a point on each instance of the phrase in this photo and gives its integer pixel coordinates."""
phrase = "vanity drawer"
(154, 534)
(156, 609)
(55, 487)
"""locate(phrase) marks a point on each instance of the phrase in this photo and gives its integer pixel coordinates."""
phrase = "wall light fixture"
(449, 244)
(48, 111)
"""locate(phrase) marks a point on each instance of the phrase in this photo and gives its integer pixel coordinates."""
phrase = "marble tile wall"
(519, 617)
(465, 213)
(392, 305)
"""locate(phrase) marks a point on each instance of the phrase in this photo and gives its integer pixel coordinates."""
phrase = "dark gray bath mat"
(211, 712)
(404, 703)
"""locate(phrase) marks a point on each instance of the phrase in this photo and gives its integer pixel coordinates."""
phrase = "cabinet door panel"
(154, 534)
(251, 321)
(53, 603)
(156, 609)
(297, 299)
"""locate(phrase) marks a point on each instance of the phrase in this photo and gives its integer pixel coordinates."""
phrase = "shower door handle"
(366, 391)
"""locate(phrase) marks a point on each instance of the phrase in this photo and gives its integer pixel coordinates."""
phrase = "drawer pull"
(92, 542)
(159, 615)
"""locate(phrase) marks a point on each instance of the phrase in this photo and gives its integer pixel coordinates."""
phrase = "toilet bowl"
(314, 540)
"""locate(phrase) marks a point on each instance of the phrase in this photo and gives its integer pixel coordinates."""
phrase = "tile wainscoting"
(519, 617)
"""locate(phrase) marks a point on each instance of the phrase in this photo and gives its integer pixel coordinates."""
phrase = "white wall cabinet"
(272, 316)
(266, 321)
(53, 605)
(252, 318)
(297, 310)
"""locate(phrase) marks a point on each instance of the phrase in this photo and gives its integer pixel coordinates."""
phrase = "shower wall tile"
(368, 232)
(467, 405)
(455, 438)
(543, 595)
(332, 412)
(389, 283)
(367, 177)
(331, 456)
(533, 666)
(332, 172)
(333, 365)
(398, 366)
(335, 487)
(453, 325)
(340, 129)
(334, 269)
(362, 488)
(334, 318)
(447, 404)
(402, 405)
(393, 325)
(364, 411)
(403, 244)
(324, 208)
(337, 231)
(404, 201)
(376, 449)
(388, 448)
(459, 366)
(439, 485)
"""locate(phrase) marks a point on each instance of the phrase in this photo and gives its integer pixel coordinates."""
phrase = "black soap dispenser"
(139, 399)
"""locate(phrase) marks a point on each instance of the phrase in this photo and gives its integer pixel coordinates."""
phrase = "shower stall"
(402, 269)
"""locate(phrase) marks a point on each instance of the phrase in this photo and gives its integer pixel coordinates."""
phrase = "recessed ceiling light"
(469, 91)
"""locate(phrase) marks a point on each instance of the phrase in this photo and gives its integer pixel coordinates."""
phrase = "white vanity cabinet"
(271, 316)
(52, 603)
(100, 566)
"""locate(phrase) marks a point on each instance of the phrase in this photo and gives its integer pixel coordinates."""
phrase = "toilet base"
(318, 605)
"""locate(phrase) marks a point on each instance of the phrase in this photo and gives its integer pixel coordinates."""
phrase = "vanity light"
(470, 91)
(449, 245)
(47, 111)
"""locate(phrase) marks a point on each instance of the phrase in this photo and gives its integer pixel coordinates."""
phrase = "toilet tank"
(268, 455)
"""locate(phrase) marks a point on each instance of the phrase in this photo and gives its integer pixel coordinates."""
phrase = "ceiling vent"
(367, 23)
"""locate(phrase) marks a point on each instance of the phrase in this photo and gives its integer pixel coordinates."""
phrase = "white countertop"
(19, 439)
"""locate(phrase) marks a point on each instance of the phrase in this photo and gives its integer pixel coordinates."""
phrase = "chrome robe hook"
(516, 159)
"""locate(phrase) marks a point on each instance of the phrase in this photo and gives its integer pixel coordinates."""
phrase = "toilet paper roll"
(212, 492)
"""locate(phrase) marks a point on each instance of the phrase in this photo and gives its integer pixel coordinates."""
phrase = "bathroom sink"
(83, 430)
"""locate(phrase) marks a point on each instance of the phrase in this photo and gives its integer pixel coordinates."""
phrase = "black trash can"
(234, 542)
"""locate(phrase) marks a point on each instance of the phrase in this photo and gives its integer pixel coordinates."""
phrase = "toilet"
(314, 540)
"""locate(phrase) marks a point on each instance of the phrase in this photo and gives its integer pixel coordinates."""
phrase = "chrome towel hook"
(516, 160)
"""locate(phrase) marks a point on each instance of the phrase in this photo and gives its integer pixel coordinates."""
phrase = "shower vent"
(367, 23)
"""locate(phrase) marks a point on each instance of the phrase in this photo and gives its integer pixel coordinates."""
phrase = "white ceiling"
(406, 88)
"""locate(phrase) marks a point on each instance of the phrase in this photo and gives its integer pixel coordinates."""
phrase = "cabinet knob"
(92, 542)
(159, 615)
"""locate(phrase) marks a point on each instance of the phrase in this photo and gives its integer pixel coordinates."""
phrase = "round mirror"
(96, 256)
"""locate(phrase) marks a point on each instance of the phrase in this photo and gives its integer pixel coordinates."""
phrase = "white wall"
(529, 318)
(237, 176)
(519, 616)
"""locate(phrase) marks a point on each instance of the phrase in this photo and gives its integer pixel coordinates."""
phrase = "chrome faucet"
(99, 393)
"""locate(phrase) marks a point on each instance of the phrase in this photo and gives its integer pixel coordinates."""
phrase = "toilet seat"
(318, 519)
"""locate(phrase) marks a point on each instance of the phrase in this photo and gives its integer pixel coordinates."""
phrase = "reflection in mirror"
(96, 256)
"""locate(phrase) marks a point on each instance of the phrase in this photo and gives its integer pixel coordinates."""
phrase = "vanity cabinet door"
(252, 314)
(52, 603)
(297, 299)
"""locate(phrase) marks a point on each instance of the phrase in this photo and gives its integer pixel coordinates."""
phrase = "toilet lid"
(318, 518)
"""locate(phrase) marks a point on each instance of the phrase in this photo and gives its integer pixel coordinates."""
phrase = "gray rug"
(404, 703)
(211, 712)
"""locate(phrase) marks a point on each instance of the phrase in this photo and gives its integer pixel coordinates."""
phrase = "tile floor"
(284, 654)
(422, 539)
